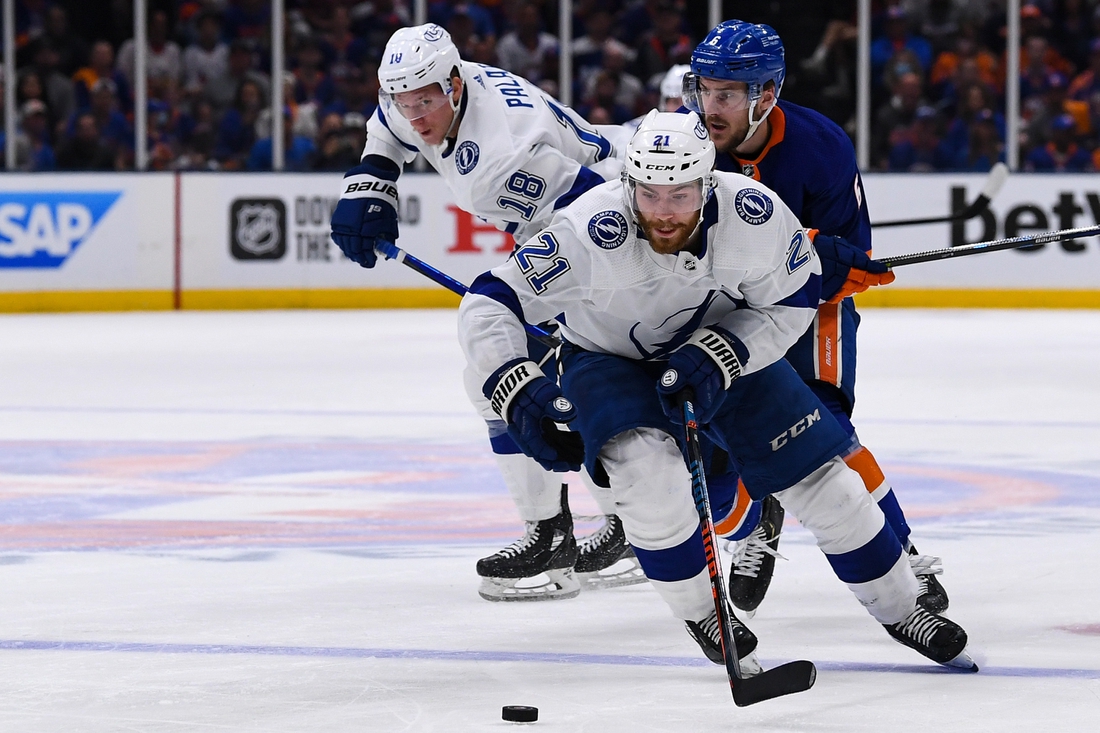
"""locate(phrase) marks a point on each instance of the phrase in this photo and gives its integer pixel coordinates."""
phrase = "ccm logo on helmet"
(652, 167)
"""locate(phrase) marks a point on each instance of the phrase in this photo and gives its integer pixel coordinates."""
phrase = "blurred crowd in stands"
(938, 75)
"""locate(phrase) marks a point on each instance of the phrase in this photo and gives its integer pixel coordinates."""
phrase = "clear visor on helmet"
(661, 200)
(419, 102)
(700, 95)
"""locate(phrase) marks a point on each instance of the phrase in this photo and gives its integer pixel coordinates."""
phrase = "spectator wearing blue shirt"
(919, 149)
(35, 123)
(298, 151)
(237, 131)
(1062, 154)
(897, 38)
(985, 145)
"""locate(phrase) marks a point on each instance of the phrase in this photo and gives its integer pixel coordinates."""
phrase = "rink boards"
(221, 240)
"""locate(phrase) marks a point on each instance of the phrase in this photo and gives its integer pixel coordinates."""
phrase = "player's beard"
(667, 245)
(728, 133)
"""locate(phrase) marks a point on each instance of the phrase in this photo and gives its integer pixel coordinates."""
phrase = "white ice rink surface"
(269, 522)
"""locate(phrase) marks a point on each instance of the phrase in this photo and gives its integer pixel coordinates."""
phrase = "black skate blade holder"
(786, 679)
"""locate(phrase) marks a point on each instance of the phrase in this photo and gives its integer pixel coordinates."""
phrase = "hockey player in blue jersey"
(682, 277)
(736, 77)
(511, 155)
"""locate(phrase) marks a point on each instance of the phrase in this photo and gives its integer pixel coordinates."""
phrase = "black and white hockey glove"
(708, 363)
(367, 209)
(533, 407)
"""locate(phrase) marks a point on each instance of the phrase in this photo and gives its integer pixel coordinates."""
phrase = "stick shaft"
(391, 251)
(710, 539)
(996, 245)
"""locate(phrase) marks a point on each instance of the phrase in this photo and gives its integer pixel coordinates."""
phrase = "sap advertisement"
(262, 240)
(86, 233)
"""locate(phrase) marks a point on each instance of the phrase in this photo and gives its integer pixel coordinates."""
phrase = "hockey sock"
(862, 462)
(535, 491)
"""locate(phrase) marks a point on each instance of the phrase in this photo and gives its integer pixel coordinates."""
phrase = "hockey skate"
(940, 639)
(931, 595)
(754, 565)
(706, 634)
(606, 560)
(536, 567)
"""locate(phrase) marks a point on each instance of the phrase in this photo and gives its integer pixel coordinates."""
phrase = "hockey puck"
(519, 713)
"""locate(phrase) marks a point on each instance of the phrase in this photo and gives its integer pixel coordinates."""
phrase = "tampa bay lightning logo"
(753, 206)
(608, 229)
(467, 154)
(700, 130)
(433, 32)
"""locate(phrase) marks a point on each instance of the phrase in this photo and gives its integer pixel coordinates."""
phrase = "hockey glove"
(708, 363)
(367, 210)
(846, 269)
(533, 407)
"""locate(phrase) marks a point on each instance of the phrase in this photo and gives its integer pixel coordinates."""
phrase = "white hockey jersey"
(757, 276)
(519, 156)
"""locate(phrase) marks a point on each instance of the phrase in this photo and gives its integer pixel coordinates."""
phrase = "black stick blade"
(786, 679)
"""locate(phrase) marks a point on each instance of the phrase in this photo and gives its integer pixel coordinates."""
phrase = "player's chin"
(667, 242)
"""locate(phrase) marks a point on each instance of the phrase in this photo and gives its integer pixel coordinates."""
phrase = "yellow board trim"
(129, 300)
(943, 298)
(119, 300)
(259, 299)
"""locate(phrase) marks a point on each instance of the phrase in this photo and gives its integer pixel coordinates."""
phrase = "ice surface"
(269, 522)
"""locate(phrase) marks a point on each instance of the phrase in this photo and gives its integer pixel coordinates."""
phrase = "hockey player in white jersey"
(511, 155)
(678, 277)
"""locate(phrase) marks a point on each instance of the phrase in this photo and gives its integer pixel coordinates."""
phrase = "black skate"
(753, 568)
(547, 550)
(940, 639)
(707, 635)
(606, 560)
(931, 596)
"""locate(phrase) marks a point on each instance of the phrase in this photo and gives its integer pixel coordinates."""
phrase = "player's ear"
(456, 85)
(767, 97)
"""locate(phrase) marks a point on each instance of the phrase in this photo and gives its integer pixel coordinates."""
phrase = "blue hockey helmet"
(740, 51)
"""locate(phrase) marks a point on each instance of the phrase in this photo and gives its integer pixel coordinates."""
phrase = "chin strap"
(756, 124)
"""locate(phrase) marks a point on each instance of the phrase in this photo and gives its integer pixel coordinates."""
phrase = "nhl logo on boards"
(466, 156)
(257, 229)
(753, 206)
(608, 229)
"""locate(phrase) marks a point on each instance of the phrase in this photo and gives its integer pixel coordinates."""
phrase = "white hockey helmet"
(415, 58)
(670, 149)
(672, 85)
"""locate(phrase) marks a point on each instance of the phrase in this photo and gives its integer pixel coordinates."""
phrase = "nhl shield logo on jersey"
(608, 229)
(753, 206)
(466, 156)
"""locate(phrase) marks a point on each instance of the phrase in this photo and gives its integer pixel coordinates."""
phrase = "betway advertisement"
(1027, 204)
(86, 235)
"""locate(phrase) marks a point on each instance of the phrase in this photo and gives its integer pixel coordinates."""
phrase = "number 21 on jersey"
(542, 247)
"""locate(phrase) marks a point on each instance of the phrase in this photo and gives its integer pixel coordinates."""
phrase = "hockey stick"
(783, 680)
(992, 186)
(991, 246)
(391, 251)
